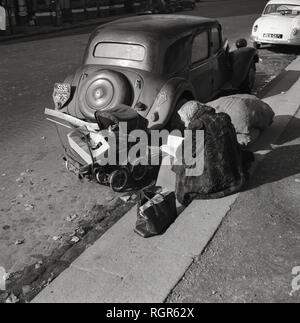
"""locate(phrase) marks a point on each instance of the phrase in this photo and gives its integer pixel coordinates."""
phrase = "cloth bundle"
(249, 115)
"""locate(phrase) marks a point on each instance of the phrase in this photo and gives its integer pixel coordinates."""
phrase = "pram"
(89, 144)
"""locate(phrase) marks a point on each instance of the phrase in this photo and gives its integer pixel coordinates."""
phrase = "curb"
(122, 267)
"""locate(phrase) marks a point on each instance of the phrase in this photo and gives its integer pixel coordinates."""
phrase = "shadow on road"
(284, 49)
(286, 80)
(279, 164)
(283, 161)
(288, 137)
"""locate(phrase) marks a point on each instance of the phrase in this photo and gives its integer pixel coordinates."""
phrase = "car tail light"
(61, 94)
(295, 31)
(255, 28)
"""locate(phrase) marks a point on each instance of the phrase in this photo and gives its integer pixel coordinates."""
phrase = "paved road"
(35, 206)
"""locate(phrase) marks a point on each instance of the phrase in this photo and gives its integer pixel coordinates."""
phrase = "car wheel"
(248, 84)
(102, 90)
(175, 122)
(256, 45)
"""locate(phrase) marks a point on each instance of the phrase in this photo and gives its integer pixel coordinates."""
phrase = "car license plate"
(276, 36)
(61, 94)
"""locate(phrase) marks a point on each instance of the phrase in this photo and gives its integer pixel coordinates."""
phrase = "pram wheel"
(139, 172)
(118, 180)
(101, 177)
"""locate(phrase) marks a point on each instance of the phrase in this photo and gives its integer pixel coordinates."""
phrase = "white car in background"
(279, 24)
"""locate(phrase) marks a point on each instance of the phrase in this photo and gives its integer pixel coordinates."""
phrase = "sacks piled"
(249, 115)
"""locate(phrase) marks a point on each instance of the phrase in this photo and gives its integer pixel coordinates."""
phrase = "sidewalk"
(123, 267)
(253, 254)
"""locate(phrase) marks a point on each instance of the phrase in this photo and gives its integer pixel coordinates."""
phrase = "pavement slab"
(150, 268)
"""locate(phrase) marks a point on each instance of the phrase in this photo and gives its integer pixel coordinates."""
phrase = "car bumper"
(292, 41)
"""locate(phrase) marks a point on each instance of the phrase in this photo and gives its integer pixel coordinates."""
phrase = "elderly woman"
(224, 170)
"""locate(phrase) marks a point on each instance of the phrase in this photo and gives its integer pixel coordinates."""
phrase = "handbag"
(155, 213)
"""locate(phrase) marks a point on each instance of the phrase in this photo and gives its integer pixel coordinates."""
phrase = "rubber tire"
(248, 83)
(99, 179)
(257, 45)
(140, 178)
(120, 86)
(113, 176)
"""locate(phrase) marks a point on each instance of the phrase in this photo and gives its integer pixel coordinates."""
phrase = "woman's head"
(188, 111)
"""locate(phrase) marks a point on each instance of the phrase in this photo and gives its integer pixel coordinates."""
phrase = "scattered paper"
(75, 239)
(125, 198)
(19, 242)
(28, 206)
(71, 218)
(12, 299)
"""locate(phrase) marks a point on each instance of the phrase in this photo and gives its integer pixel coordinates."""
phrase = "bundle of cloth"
(226, 165)
(249, 115)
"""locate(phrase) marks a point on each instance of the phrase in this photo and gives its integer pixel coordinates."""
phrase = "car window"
(282, 9)
(200, 49)
(177, 56)
(133, 52)
(216, 39)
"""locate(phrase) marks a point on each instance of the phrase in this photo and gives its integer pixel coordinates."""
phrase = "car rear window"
(131, 52)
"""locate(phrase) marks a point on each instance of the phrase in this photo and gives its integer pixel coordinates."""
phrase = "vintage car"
(154, 64)
(279, 24)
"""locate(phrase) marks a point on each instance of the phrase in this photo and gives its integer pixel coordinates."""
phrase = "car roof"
(287, 2)
(157, 26)
(154, 32)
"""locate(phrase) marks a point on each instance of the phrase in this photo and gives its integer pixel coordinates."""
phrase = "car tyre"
(113, 89)
(256, 45)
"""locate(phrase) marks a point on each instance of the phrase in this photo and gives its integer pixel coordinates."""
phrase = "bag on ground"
(155, 213)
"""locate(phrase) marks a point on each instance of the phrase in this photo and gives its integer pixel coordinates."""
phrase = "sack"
(249, 115)
(155, 213)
